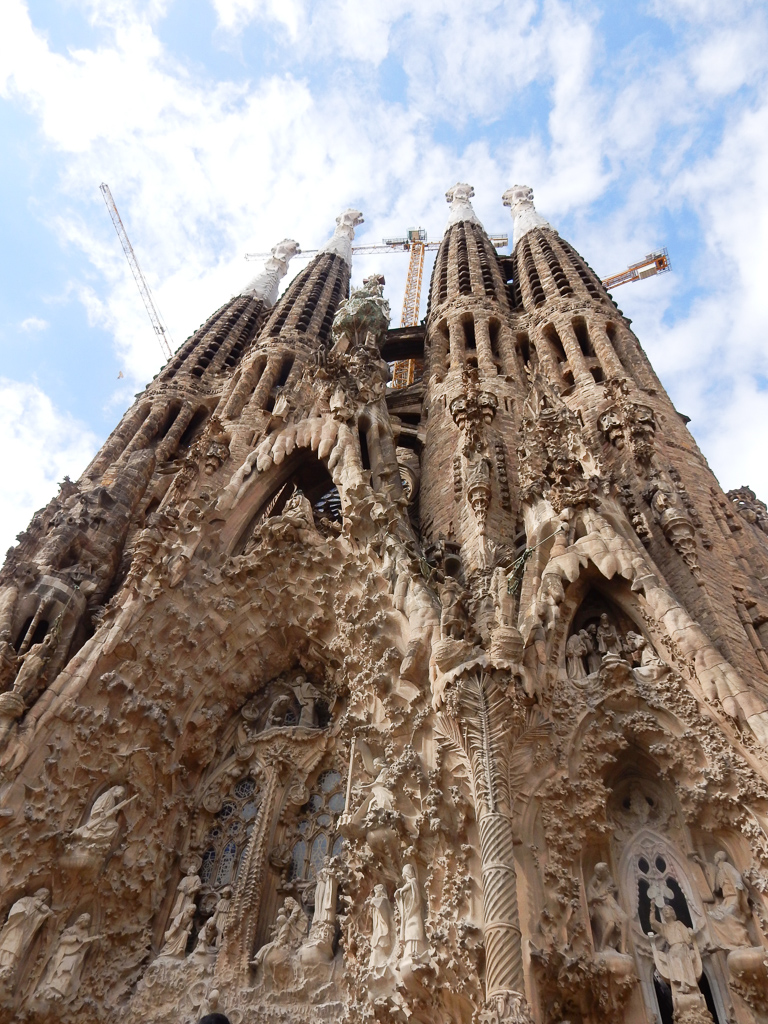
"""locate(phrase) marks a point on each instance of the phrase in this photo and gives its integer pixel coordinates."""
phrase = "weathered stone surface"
(325, 702)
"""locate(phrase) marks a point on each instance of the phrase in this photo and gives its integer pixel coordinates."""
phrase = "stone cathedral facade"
(326, 701)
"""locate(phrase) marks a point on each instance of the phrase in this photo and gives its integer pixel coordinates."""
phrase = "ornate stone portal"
(327, 700)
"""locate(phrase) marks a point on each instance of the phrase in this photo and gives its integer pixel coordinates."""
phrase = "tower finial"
(520, 200)
(264, 285)
(341, 241)
(461, 209)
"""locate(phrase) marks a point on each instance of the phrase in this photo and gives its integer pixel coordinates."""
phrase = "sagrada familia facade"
(323, 700)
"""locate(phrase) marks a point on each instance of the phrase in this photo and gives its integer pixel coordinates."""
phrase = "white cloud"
(33, 323)
(41, 445)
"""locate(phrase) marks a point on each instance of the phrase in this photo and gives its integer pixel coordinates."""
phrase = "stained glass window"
(316, 827)
(228, 837)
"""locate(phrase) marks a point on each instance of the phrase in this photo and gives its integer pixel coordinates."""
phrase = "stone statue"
(608, 641)
(651, 666)
(33, 674)
(62, 975)
(319, 944)
(680, 964)
(729, 919)
(187, 889)
(504, 602)
(307, 694)
(177, 935)
(382, 930)
(288, 934)
(219, 916)
(575, 653)
(102, 825)
(205, 947)
(25, 919)
(381, 797)
(589, 636)
(453, 616)
(278, 711)
(609, 921)
(413, 939)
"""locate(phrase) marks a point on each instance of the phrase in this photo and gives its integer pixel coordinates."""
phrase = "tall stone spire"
(520, 200)
(340, 242)
(461, 208)
(264, 286)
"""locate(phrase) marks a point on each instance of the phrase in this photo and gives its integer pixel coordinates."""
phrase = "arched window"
(316, 828)
(227, 839)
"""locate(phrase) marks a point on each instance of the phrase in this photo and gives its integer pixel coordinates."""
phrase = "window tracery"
(315, 836)
(228, 837)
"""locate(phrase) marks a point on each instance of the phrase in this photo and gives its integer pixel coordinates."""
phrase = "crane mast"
(160, 330)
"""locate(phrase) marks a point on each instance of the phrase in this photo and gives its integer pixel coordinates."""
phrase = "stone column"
(576, 358)
(170, 443)
(485, 361)
(271, 372)
(245, 386)
(604, 350)
(456, 336)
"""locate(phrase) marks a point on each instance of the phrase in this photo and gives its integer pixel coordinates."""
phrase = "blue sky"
(223, 126)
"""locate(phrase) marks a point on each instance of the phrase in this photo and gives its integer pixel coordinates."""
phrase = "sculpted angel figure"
(680, 964)
(102, 825)
(381, 797)
(62, 976)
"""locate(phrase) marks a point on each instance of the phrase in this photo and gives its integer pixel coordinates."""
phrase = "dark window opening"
(664, 999)
(365, 457)
(679, 903)
(494, 330)
(170, 419)
(470, 342)
(582, 336)
(41, 629)
(194, 425)
(550, 333)
(706, 990)
(524, 348)
(644, 905)
(285, 369)
(597, 374)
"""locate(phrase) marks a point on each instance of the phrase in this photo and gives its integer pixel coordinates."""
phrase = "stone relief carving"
(62, 975)
(25, 919)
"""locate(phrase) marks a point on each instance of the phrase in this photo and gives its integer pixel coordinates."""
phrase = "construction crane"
(162, 332)
(654, 263)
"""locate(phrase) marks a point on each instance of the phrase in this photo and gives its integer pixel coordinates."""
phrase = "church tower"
(324, 699)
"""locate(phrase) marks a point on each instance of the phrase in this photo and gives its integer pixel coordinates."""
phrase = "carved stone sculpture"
(25, 919)
(177, 934)
(729, 919)
(382, 930)
(453, 617)
(290, 930)
(102, 825)
(319, 944)
(609, 921)
(62, 975)
(413, 939)
(186, 892)
(680, 962)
